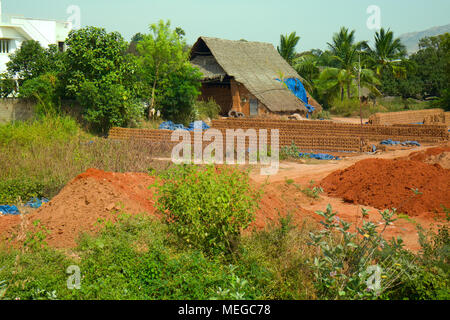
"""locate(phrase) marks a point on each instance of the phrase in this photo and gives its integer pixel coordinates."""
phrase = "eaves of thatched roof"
(256, 65)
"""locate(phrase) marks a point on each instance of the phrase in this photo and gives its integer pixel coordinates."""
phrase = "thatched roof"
(209, 67)
(254, 64)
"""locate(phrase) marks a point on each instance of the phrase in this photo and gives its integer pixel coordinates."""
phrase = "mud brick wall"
(304, 142)
(421, 133)
(406, 117)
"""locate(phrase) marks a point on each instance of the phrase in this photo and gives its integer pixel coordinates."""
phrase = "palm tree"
(388, 54)
(307, 67)
(345, 68)
(346, 53)
(287, 46)
(332, 82)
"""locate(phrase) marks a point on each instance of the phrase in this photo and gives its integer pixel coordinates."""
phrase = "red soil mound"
(96, 194)
(89, 197)
(439, 155)
(386, 184)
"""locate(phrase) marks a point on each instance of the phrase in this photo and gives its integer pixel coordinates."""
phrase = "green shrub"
(109, 105)
(11, 191)
(289, 152)
(206, 207)
(275, 260)
(431, 269)
(204, 110)
(324, 114)
(346, 107)
(7, 86)
(343, 267)
(44, 91)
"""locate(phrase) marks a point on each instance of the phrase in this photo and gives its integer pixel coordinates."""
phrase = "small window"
(253, 107)
(4, 45)
(61, 46)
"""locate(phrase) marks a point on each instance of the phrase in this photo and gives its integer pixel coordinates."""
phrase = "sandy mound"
(91, 196)
(438, 155)
(387, 184)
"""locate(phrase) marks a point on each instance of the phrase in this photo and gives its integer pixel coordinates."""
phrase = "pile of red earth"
(97, 195)
(90, 197)
(439, 155)
(386, 184)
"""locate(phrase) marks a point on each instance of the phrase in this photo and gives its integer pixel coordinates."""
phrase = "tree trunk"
(348, 91)
(152, 104)
(342, 93)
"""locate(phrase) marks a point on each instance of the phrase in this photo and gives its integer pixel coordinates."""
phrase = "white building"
(15, 29)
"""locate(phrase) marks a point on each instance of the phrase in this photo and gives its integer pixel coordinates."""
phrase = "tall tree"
(31, 60)
(346, 53)
(287, 46)
(164, 67)
(101, 76)
(307, 67)
(388, 54)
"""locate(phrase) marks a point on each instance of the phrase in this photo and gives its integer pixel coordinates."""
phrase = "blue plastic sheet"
(297, 88)
(169, 125)
(36, 203)
(318, 156)
(9, 210)
(390, 142)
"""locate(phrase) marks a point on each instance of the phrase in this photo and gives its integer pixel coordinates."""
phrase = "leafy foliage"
(44, 90)
(32, 60)
(101, 76)
(166, 72)
(206, 207)
(287, 46)
(204, 110)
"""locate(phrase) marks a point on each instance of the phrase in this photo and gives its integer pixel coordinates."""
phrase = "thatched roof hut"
(241, 76)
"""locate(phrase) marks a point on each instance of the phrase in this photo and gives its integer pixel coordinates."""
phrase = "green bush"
(204, 110)
(132, 259)
(7, 86)
(289, 152)
(24, 189)
(324, 114)
(346, 107)
(107, 105)
(342, 269)
(44, 91)
(431, 269)
(207, 207)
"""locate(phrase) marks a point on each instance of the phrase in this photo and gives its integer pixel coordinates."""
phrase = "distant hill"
(411, 40)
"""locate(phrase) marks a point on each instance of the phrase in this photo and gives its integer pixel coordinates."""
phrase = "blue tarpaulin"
(36, 203)
(169, 125)
(12, 210)
(390, 142)
(318, 156)
(297, 88)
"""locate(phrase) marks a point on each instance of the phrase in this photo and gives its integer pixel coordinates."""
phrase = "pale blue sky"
(255, 20)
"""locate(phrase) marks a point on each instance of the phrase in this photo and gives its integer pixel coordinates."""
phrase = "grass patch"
(351, 107)
(39, 157)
